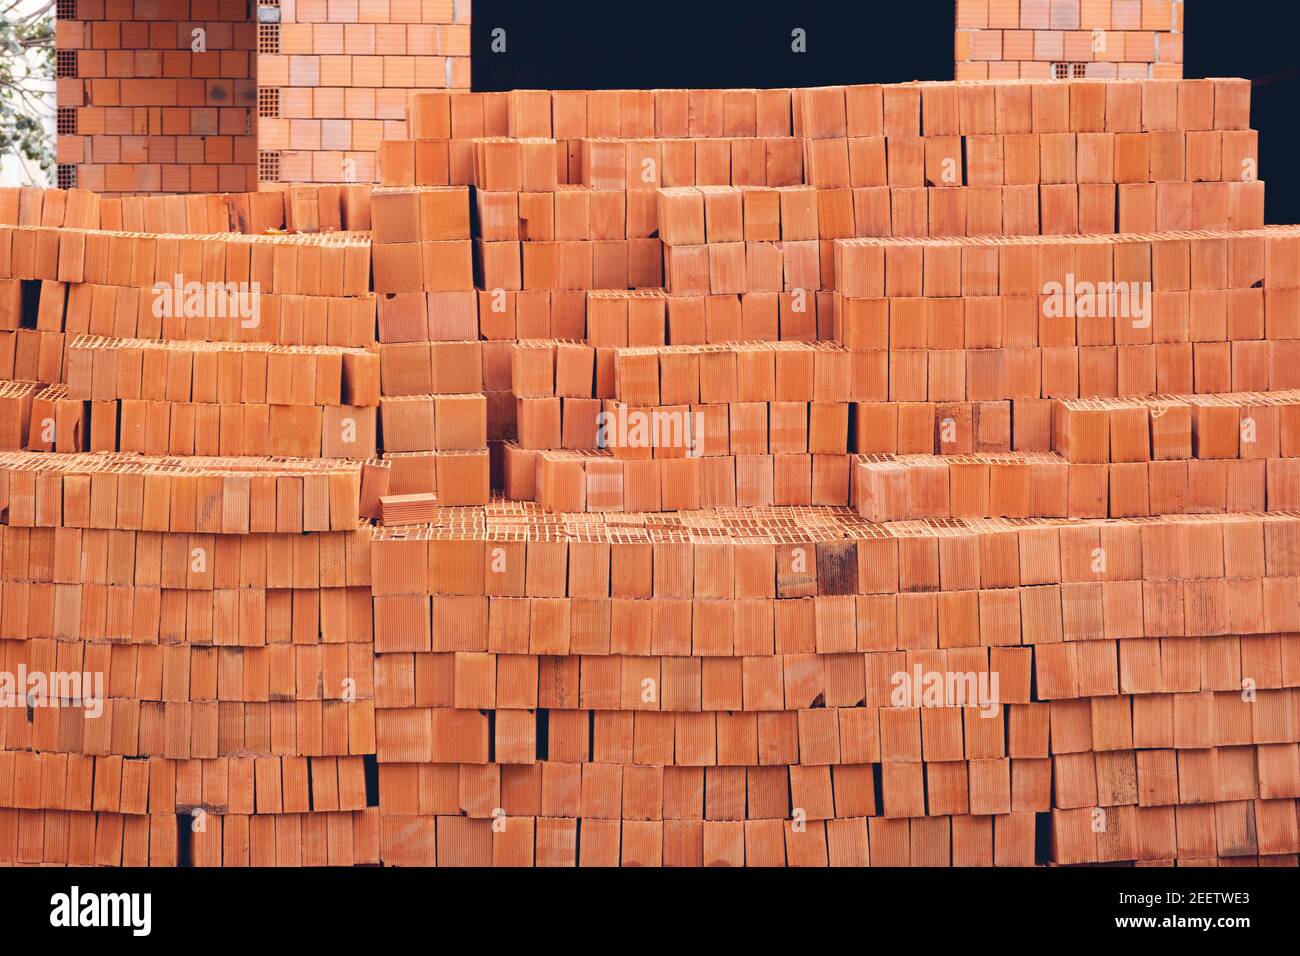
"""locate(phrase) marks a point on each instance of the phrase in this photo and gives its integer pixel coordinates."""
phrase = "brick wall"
(1039, 39)
(334, 76)
(314, 85)
(148, 105)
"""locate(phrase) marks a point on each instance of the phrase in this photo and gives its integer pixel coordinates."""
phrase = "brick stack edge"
(896, 459)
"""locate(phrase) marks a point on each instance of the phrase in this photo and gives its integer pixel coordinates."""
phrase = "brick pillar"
(156, 96)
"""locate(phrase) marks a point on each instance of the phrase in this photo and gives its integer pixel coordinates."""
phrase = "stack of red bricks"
(205, 626)
(858, 536)
(433, 412)
(189, 420)
(804, 168)
(816, 542)
(220, 344)
(298, 209)
(305, 209)
(777, 687)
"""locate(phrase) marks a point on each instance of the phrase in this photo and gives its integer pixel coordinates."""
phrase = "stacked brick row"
(63, 282)
(765, 513)
(811, 546)
(187, 443)
(301, 209)
(724, 687)
(212, 615)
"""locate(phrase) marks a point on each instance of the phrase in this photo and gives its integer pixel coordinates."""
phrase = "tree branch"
(36, 104)
(32, 17)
